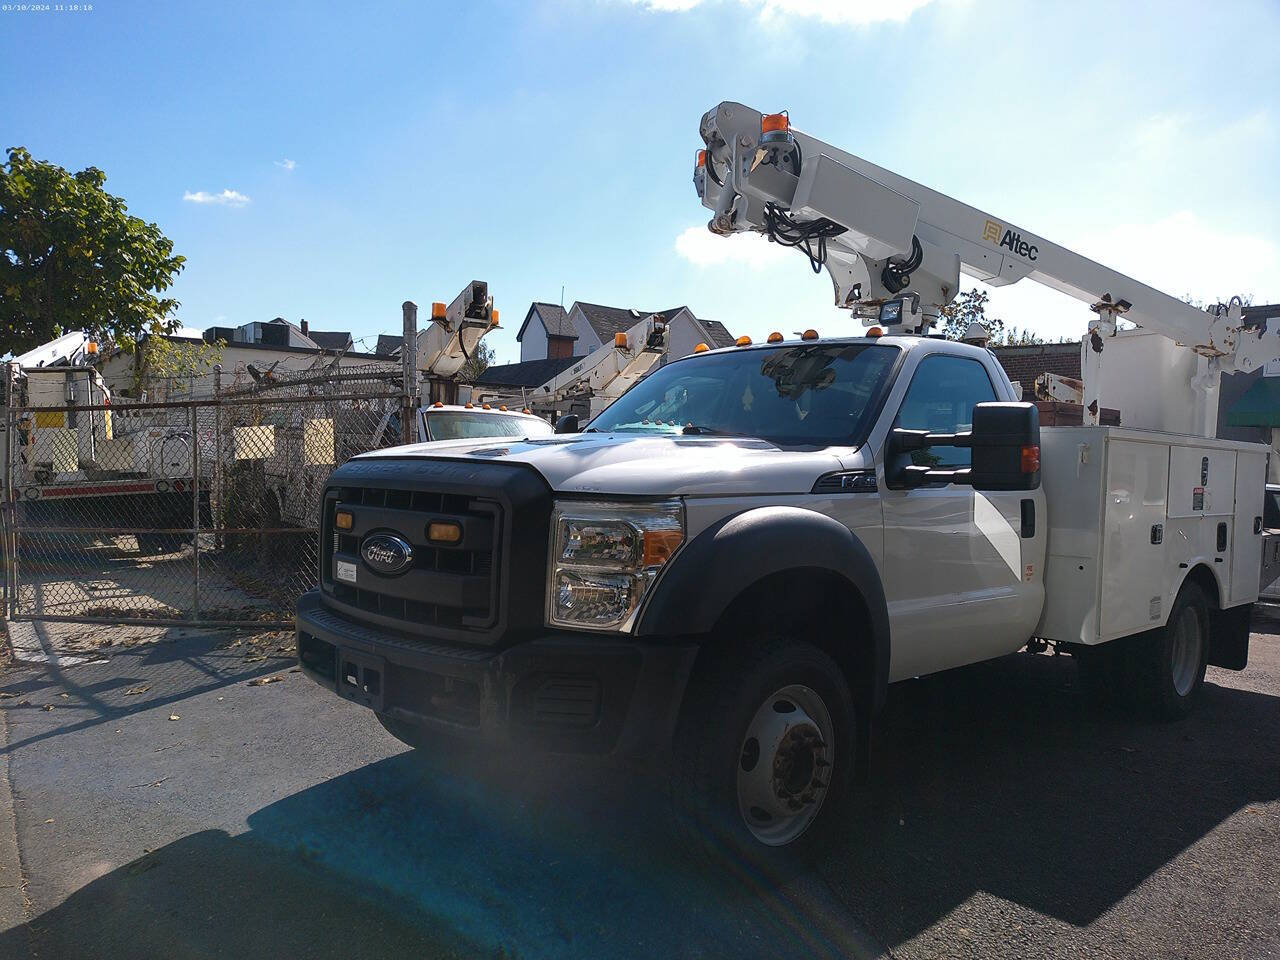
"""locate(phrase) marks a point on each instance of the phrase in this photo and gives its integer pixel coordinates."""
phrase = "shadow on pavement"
(995, 778)
(1003, 778)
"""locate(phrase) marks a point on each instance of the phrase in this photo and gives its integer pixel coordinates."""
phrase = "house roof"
(527, 373)
(608, 321)
(717, 333)
(1024, 363)
(388, 345)
(555, 320)
(329, 339)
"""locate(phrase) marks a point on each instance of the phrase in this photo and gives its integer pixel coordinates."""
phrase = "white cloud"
(853, 12)
(227, 198)
(703, 248)
(287, 164)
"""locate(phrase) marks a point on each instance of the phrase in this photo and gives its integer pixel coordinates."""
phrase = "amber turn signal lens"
(769, 122)
(1030, 459)
(659, 545)
(493, 318)
(437, 310)
(343, 520)
(620, 340)
(701, 158)
(444, 532)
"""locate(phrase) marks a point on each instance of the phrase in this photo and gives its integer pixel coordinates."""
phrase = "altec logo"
(994, 233)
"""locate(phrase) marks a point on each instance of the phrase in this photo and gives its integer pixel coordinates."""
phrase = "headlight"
(603, 558)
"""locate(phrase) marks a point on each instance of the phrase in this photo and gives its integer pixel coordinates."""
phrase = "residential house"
(550, 331)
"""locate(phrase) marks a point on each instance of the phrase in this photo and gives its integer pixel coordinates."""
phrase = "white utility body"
(1130, 512)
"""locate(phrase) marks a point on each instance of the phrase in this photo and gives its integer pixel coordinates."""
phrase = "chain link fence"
(200, 511)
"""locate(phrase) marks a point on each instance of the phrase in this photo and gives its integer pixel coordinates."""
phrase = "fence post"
(409, 361)
(195, 510)
(215, 499)
(7, 512)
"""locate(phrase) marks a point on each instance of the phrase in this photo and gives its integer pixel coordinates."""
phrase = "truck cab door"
(961, 580)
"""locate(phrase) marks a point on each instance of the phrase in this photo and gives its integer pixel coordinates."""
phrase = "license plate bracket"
(362, 678)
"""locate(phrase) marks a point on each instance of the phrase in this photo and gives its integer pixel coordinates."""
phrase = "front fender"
(720, 563)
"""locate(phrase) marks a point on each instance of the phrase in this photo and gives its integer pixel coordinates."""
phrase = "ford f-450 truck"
(731, 563)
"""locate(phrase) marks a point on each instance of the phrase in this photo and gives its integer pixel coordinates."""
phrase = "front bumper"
(559, 692)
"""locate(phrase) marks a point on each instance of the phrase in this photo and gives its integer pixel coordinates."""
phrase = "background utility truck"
(733, 560)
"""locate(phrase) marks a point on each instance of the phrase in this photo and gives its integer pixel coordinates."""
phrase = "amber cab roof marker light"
(743, 341)
(775, 337)
(809, 334)
(875, 331)
(701, 348)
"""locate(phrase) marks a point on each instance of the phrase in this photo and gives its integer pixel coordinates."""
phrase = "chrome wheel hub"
(1186, 651)
(784, 765)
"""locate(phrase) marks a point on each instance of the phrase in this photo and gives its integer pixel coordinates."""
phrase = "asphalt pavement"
(167, 803)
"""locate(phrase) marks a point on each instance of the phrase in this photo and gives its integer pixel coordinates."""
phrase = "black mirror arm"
(917, 476)
(905, 441)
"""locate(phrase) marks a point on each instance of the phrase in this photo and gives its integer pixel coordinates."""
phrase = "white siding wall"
(684, 336)
(587, 339)
(533, 345)
(117, 370)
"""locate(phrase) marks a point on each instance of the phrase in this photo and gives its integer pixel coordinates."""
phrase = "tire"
(764, 752)
(1167, 666)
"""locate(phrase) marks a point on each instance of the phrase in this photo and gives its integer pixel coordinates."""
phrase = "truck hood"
(648, 465)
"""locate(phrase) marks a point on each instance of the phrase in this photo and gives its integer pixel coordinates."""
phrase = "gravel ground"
(164, 804)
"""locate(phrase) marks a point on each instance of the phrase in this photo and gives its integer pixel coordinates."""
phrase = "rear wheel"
(1163, 670)
(1169, 664)
(764, 753)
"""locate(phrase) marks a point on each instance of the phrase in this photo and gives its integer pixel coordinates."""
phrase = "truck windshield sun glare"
(813, 394)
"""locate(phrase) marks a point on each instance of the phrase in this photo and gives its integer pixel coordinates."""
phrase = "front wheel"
(764, 753)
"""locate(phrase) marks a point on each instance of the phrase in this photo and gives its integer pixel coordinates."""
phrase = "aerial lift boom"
(609, 371)
(456, 330)
(895, 249)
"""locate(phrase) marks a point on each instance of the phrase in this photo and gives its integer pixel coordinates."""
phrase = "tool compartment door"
(1133, 538)
(1246, 544)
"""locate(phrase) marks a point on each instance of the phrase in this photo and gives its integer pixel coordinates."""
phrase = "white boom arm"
(882, 236)
(610, 370)
(455, 331)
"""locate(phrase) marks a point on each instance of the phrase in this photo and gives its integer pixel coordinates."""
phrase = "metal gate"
(194, 512)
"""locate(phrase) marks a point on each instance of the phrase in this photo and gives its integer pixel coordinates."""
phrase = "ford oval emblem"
(386, 553)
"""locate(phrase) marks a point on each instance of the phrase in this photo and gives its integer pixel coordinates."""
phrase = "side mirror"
(567, 424)
(1005, 445)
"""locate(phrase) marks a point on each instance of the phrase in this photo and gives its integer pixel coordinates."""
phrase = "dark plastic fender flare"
(717, 565)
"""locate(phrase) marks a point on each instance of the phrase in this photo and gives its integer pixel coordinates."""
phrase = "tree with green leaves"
(971, 307)
(72, 258)
(159, 361)
(477, 363)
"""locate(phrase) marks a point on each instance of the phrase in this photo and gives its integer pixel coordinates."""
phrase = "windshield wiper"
(692, 429)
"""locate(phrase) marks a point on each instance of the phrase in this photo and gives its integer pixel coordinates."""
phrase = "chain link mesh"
(201, 510)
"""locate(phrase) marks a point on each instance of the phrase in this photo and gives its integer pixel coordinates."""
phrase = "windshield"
(461, 425)
(818, 394)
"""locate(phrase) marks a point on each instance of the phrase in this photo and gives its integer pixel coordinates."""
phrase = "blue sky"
(541, 145)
